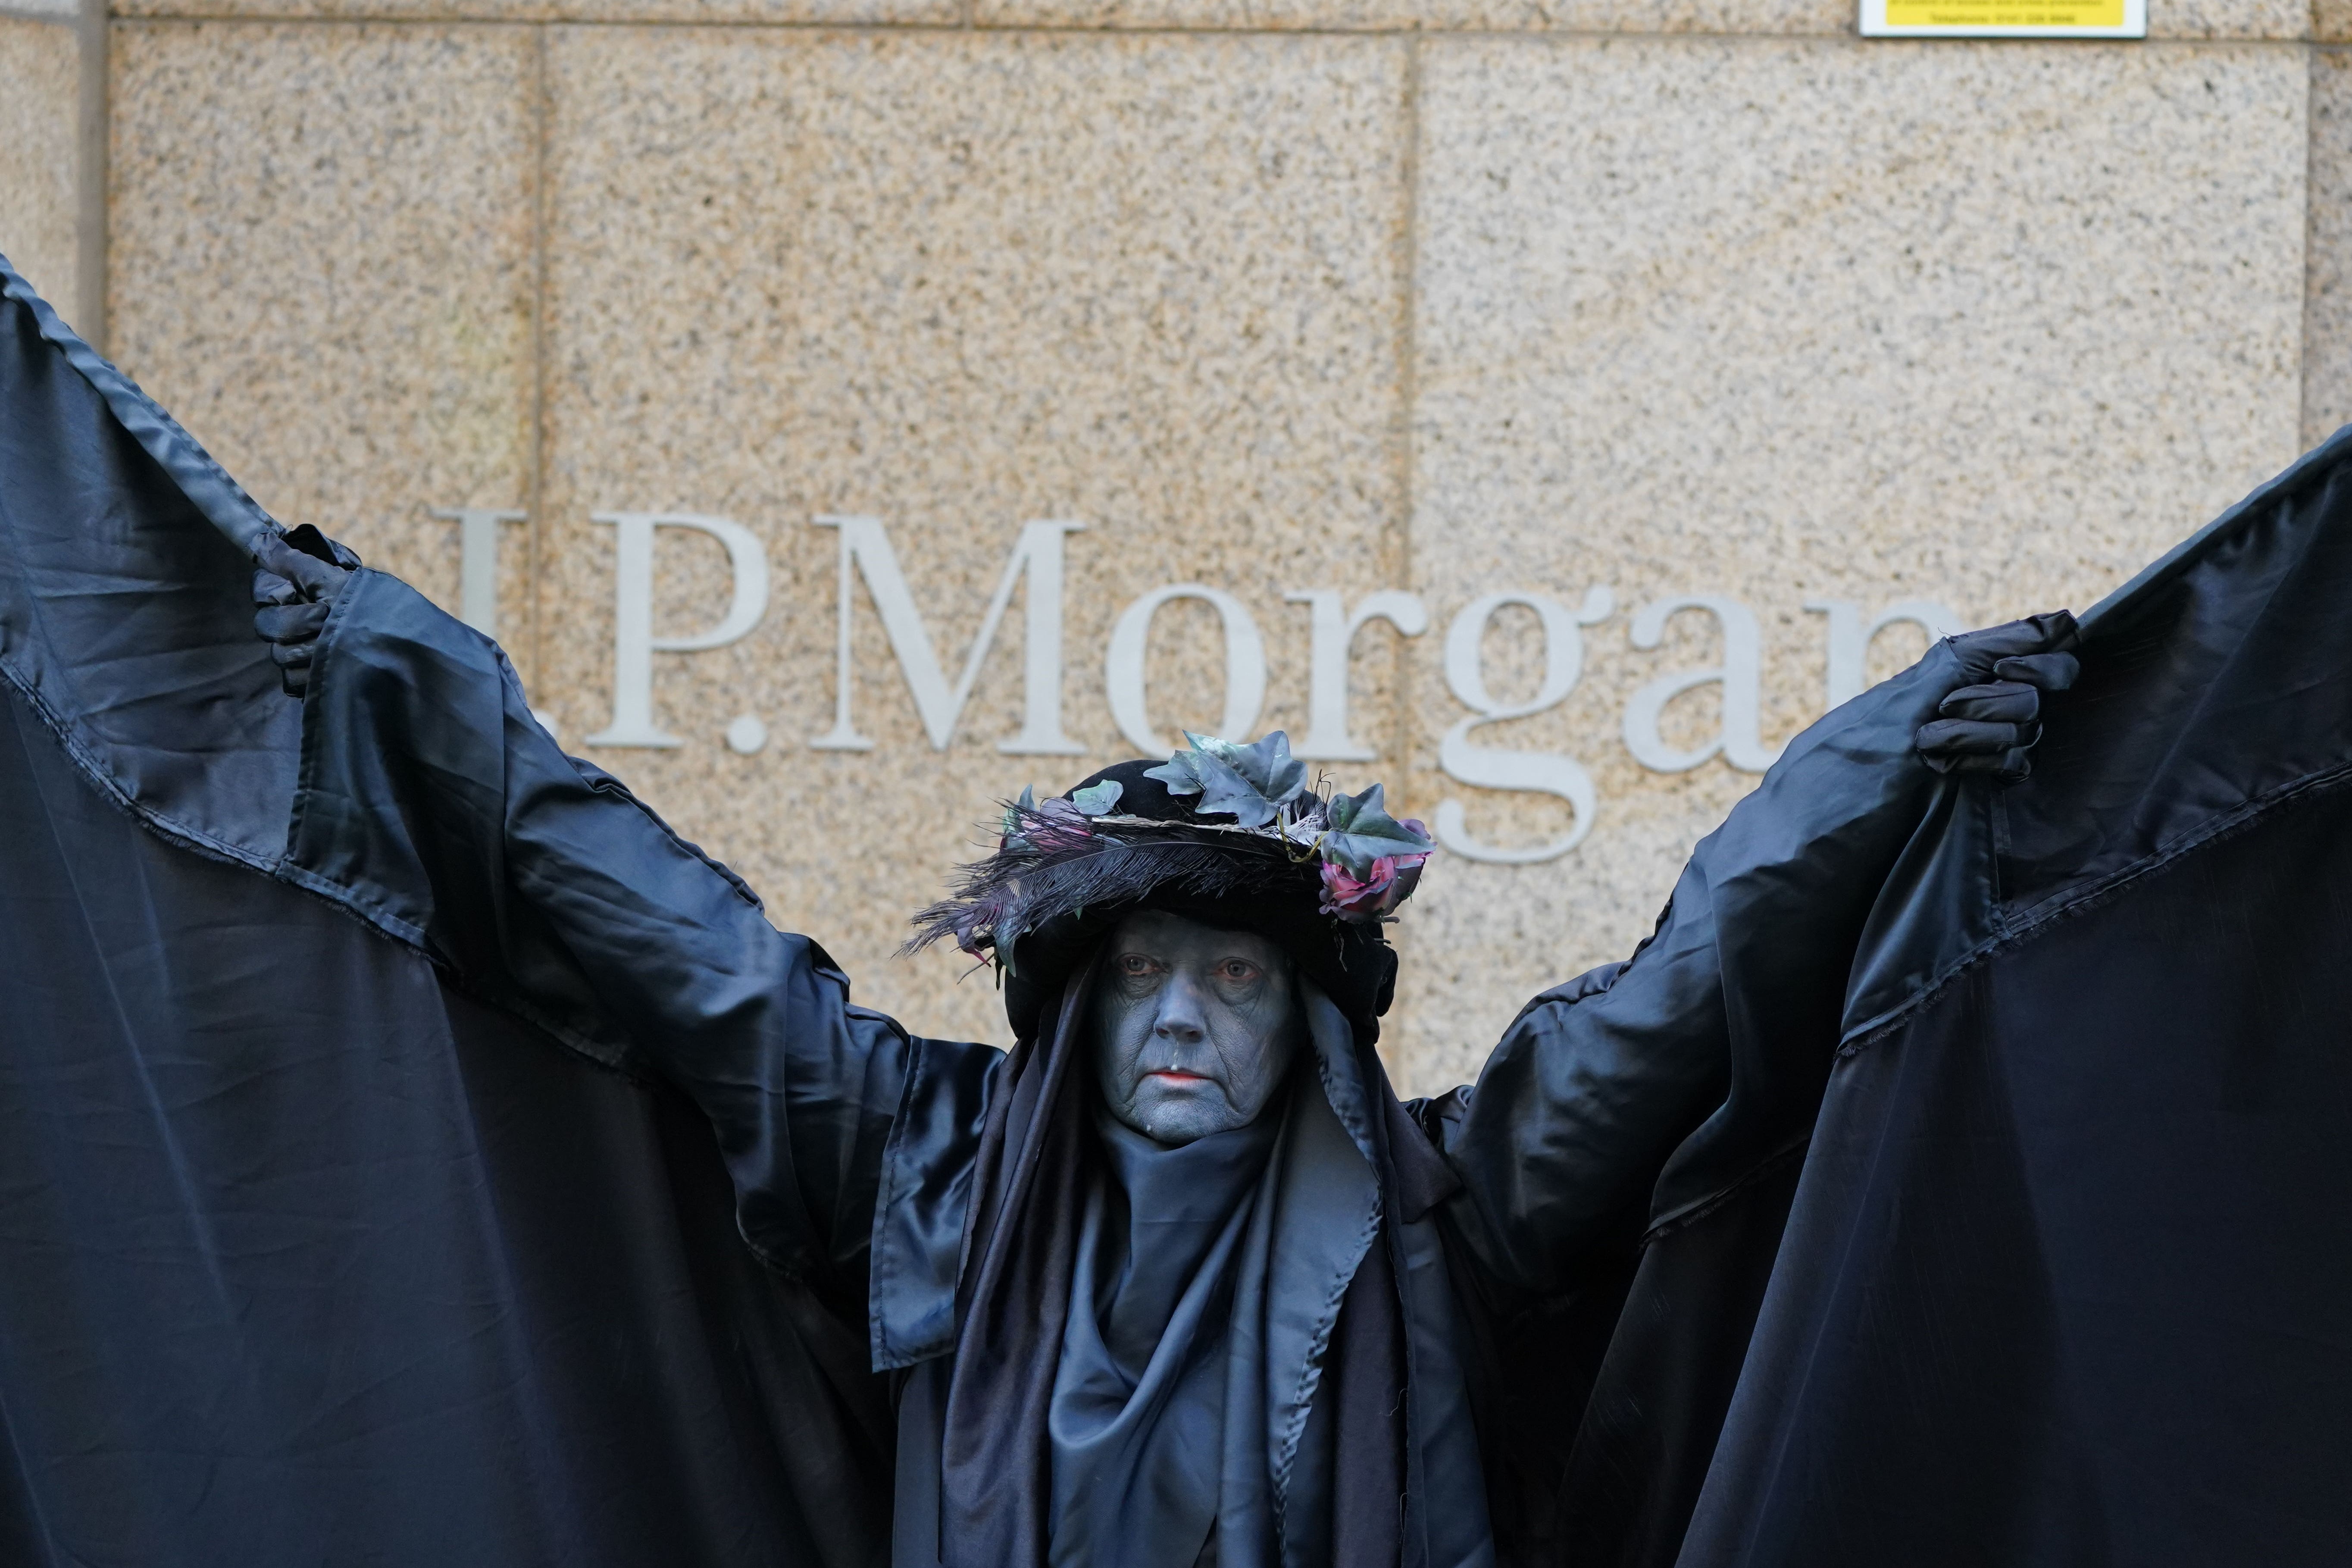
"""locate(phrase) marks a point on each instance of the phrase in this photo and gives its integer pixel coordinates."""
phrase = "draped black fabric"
(1028, 1199)
(2054, 1270)
(305, 1256)
(2067, 1278)
(2125, 1329)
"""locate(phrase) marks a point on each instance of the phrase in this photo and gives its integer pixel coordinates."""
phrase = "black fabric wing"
(309, 1257)
(2068, 1275)
(1951, 1179)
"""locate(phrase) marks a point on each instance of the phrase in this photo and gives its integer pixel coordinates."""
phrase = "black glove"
(296, 575)
(1988, 725)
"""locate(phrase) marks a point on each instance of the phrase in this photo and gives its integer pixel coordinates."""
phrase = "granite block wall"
(1633, 339)
(40, 157)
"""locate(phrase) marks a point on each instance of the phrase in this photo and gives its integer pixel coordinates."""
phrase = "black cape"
(1951, 1179)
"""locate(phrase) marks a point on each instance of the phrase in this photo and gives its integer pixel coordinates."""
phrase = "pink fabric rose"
(1388, 882)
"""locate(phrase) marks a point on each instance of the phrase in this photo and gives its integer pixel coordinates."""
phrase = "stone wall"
(40, 161)
(1597, 305)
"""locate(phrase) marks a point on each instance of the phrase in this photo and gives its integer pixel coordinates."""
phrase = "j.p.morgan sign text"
(1038, 551)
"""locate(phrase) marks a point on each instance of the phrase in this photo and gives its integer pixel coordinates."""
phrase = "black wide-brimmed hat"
(1227, 834)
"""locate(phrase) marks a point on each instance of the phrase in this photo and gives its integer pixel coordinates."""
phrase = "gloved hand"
(296, 575)
(1989, 725)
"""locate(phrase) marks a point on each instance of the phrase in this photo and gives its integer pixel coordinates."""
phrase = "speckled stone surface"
(2328, 320)
(2218, 19)
(1674, 16)
(1790, 321)
(323, 263)
(344, 10)
(838, 12)
(39, 103)
(960, 281)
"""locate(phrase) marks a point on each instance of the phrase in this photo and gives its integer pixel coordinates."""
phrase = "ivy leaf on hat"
(1361, 832)
(1099, 800)
(1250, 783)
(1268, 765)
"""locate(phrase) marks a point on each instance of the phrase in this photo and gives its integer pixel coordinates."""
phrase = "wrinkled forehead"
(1171, 936)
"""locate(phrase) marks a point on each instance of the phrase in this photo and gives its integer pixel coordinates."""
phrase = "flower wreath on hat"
(1065, 855)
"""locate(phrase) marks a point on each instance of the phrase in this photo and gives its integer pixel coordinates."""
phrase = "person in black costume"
(1178, 1281)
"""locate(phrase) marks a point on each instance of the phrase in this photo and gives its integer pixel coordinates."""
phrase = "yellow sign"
(2005, 18)
(2002, 14)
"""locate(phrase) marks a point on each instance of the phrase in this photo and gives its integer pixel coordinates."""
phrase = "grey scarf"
(1206, 1282)
(976, 1442)
(1137, 1424)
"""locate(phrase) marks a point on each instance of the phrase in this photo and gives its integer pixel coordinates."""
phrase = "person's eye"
(1239, 970)
(1136, 964)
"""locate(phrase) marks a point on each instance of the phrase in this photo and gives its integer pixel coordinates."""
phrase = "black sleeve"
(543, 885)
(1647, 1089)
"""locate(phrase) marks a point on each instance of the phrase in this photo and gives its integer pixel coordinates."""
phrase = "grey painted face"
(1195, 1028)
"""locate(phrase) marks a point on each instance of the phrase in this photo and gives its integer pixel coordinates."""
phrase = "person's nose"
(1181, 1020)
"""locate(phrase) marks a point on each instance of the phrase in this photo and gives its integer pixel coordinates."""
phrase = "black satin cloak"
(2067, 1277)
(308, 1256)
(2011, 1234)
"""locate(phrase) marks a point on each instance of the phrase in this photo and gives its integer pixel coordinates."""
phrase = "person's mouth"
(1174, 1077)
